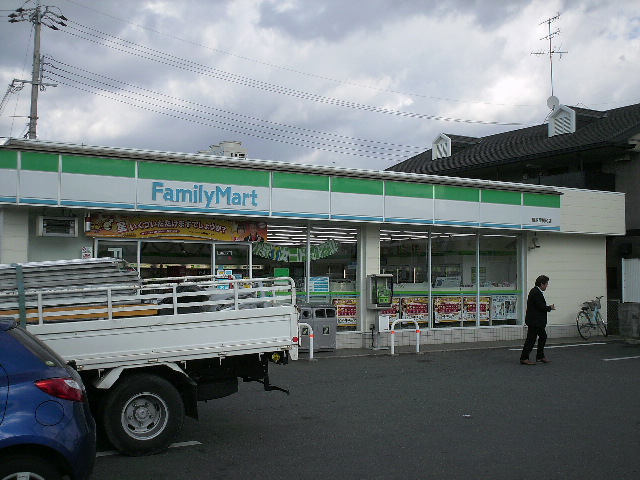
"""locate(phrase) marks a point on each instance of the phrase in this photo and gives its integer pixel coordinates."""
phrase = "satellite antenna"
(553, 102)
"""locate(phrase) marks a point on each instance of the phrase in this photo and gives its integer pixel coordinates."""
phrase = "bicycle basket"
(592, 304)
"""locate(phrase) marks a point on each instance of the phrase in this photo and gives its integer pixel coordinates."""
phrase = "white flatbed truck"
(149, 350)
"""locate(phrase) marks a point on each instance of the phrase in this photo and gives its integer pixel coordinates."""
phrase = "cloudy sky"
(352, 83)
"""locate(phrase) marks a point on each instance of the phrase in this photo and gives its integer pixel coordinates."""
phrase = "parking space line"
(173, 445)
(564, 346)
(619, 358)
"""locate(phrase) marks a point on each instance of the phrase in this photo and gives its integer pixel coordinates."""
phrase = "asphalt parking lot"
(459, 414)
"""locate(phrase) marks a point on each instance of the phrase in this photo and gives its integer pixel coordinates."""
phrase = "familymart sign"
(137, 185)
(204, 195)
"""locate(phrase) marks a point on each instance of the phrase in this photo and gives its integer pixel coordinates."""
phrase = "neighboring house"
(577, 148)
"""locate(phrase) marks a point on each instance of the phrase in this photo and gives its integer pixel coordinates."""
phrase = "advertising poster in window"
(318, 284)
(469, 308)
(345, 311)
(447, 309)
(394, 312)
(504, 307)
(416, 308)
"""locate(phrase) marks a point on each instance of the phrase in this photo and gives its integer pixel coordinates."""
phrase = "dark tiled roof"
(594, 129)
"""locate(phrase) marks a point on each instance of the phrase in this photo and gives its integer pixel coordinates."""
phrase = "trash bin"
(324, 322)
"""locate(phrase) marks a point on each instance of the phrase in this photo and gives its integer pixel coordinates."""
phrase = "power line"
(280, 67)
(195, 116)
(56, 65)
(177, 62)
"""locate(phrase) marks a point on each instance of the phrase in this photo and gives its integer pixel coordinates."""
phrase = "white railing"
(150, 297)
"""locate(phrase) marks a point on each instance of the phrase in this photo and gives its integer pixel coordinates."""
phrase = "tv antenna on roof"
(552, 50)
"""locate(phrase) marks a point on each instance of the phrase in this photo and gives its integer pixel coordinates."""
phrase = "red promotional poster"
(447, 309)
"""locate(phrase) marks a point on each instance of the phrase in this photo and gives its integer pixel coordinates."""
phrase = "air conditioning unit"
(57, 226)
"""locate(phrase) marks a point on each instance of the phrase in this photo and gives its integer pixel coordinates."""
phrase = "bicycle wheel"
(601, 325)
(584, 325)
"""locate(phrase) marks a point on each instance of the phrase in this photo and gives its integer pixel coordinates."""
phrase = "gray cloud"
(247, 70)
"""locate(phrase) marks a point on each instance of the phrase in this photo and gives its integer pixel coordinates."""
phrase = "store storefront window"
(119, 249)
(453, 277)
(467, 269)
(232, 259)
(499, 277)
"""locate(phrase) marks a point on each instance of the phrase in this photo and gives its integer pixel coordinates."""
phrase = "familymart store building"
(461, 253)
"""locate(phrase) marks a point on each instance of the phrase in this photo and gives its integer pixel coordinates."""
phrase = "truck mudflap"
(268, 387)
(279, 357)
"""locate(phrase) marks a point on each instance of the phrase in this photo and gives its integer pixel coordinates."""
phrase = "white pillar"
(368, 264)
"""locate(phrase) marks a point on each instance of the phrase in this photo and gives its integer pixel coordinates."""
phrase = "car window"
(35, 346)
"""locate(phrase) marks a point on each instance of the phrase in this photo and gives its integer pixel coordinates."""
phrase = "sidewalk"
(448, 347)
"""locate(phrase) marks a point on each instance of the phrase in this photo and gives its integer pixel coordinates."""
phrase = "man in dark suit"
(536, 321)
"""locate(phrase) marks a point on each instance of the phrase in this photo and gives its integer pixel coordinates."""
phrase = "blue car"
(46, 429)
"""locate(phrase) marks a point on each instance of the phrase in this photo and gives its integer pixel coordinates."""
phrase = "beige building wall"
(575, 265)
(589, 211)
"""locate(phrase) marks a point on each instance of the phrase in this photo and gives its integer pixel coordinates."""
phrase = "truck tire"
(142, 415)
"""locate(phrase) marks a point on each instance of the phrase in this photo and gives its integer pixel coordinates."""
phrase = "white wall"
(575, 265)
(14, 235)
(42, 249)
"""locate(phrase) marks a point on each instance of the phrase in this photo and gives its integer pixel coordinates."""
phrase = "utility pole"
(38, 17)
(551, 51)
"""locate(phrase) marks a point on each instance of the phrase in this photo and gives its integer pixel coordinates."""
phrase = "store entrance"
(160, 259)
(174, 259)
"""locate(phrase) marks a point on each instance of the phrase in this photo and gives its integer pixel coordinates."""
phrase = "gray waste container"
(324, 323)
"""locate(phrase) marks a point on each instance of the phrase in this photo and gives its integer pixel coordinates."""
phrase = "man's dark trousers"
(532, 333)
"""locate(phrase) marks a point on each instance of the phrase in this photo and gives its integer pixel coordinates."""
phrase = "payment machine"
(380, 297)
(380, 287)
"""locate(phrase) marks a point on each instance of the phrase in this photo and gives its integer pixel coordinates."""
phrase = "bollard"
(393, 335)
(310, 337)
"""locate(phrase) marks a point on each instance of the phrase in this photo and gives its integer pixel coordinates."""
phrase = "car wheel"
(28, 467)
(142, 415)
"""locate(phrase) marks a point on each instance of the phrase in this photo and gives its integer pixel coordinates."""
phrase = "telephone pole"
(38, 17)
(551, 51)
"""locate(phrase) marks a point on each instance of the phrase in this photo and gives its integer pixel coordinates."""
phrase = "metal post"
(22, 309)
(35, 73)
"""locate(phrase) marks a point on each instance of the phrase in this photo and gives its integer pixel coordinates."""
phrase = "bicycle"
(589, 318)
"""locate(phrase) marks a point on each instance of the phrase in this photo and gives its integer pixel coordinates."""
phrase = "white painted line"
(562, 346)
(619, 358)
(173, 445)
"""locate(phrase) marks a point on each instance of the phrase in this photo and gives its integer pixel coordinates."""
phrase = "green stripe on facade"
(99, 166)
(300, 181)
(506, 198)
(539, 200)
(463, 194)
(357, 185)
(202, 174)
(415, 190)
(8, 159)
(39, 162)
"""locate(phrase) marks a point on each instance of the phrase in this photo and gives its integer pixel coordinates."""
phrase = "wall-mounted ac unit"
(57, 226)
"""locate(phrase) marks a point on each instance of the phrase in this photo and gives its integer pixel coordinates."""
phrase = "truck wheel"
(142, 415)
